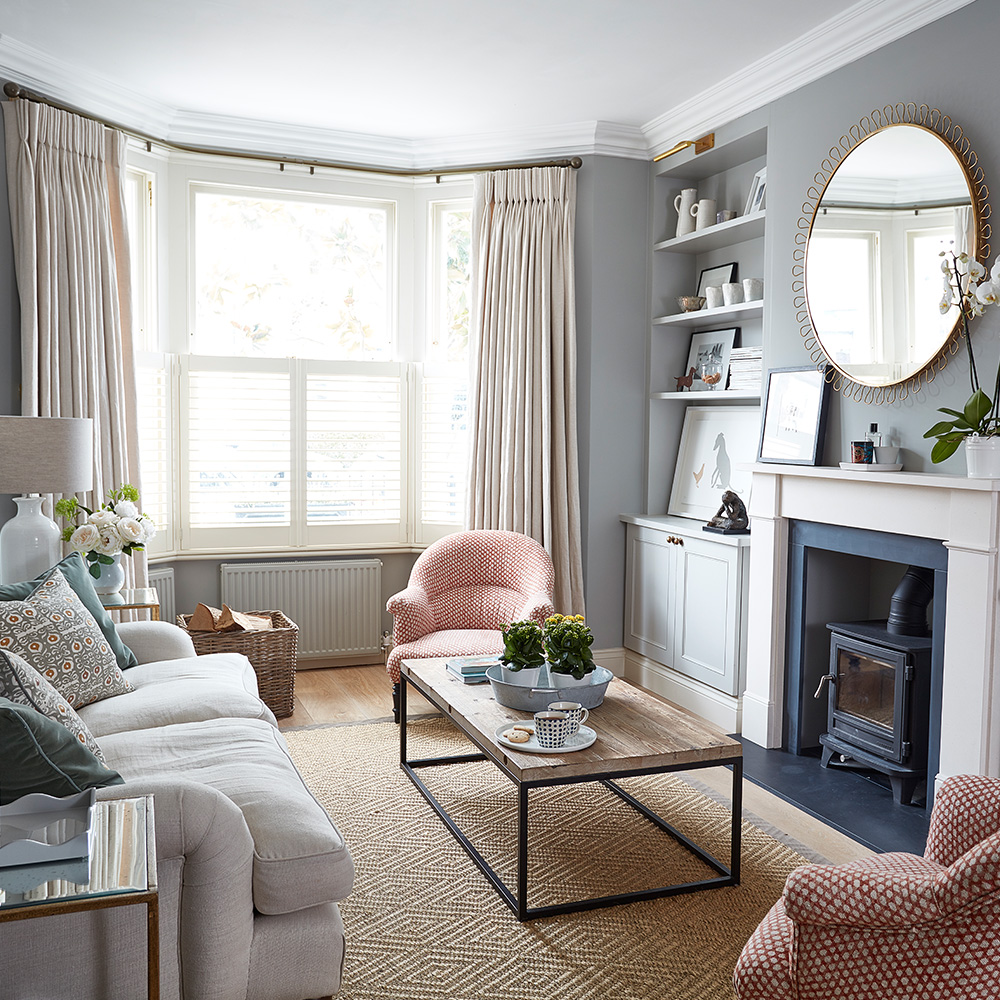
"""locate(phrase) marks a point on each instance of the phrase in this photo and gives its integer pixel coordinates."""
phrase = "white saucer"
(873, 466)
(580, 740)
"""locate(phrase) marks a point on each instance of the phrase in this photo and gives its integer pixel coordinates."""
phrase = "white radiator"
(337, 604)
(163, 581)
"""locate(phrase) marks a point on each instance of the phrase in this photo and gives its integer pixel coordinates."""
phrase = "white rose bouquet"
(105, 533)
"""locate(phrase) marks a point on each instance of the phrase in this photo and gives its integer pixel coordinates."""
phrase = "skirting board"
(611, 659)
(719, 709)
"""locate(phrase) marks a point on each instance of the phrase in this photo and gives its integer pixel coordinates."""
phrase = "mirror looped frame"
(954, 137)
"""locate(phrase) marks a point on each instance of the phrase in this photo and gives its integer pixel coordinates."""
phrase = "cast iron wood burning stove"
(879, 692)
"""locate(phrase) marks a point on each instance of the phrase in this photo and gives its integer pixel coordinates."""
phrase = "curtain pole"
(15, 92)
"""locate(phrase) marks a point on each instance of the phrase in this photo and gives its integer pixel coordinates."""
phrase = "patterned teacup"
(574, 710)
(552, 729)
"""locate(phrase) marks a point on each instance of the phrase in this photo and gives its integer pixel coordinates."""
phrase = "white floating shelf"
(722, 234)
(705, 318)
(708, 397)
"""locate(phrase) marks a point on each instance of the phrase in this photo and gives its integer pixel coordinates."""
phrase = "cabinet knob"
(674, 540)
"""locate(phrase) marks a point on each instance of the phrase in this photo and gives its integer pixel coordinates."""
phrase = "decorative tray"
(580, 740)
(872, 466)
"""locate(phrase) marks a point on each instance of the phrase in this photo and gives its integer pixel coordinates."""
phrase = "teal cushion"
(38, 754)
(78, 577)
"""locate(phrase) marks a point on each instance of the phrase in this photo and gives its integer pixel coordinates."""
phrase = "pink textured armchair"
(893, 926)
(461, 590)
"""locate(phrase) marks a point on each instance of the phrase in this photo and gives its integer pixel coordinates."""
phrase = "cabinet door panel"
(647, 582)
(707, 614)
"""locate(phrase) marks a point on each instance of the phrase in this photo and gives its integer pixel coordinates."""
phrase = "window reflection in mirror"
(873, 266)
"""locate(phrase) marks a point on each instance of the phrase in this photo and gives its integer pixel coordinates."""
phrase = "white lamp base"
(30, 542)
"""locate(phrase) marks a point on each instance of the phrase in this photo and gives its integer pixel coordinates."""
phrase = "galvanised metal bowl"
(537, 697)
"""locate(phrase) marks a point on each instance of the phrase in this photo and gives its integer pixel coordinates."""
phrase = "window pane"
(450, 281)
(353, 449)
(155, 430)
(443, 449)
(279, 277)
(239, 449)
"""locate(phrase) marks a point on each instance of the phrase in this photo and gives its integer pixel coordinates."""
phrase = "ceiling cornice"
(862, 29)
(856, 32)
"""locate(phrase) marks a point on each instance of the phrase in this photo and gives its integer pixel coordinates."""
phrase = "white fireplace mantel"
(963, 513)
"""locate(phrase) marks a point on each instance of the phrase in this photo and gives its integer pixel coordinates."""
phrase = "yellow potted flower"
(567, 641)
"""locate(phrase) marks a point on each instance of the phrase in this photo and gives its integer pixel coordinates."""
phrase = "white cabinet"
(685, 599)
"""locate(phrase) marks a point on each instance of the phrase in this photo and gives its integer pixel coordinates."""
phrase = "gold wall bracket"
(700, 145)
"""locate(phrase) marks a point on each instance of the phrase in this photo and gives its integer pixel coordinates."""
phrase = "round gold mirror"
(902, 187)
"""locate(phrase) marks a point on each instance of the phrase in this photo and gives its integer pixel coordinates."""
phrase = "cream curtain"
(66, 184)
(524, 468)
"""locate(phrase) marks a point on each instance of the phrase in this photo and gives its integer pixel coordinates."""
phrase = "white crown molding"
(856, 32)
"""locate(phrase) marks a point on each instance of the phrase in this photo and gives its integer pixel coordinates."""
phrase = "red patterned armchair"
(892, 926)
(461, 590)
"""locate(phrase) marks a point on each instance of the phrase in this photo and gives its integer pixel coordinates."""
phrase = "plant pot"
(112, 577)
(982, 457)
(527, 676)
(568, 680)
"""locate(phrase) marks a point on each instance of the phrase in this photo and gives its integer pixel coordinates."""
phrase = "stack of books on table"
(471, 669)
(745, 368)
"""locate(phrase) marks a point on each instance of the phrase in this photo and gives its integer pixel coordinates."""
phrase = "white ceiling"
(410, 73)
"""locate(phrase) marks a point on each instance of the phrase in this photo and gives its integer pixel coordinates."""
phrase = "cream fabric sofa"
(250, 866)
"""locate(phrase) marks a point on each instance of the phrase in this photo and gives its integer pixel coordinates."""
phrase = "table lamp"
(40, 455)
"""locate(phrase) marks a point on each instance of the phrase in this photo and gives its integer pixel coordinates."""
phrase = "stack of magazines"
(471, 669)
(745, 367)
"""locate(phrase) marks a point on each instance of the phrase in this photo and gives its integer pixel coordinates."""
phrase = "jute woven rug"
(423, 924)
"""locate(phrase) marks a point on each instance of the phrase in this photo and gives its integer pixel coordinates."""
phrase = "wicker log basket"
(271, 651)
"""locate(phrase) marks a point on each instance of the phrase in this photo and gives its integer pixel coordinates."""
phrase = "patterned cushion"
(892, 926)
(448, 642)
(58, 636)
(23, 685)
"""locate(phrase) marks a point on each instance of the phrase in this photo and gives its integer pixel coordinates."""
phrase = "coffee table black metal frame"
(518, 900)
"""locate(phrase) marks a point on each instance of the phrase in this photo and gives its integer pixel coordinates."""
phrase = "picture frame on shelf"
(708, 355)
(758, 188)
(796, 401)
(719, 275)
(715, 442)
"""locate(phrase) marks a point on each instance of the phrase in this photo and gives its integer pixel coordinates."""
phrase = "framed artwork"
(755, 198)
(709, 357)
(795, 405)
(715, 442)
(716, 276)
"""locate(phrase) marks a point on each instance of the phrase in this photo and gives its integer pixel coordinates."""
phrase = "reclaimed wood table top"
(634, 729)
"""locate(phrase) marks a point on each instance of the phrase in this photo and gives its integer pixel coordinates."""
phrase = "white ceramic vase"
(682, 206)
(982, 457)
(526, 676)
(112, 577)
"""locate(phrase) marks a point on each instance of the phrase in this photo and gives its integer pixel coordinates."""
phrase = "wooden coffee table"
(637, 734)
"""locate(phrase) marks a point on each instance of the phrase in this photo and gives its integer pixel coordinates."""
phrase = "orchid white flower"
(986, 293)
(945, 265)
(85, 538)
(125, 508)
(976, 270)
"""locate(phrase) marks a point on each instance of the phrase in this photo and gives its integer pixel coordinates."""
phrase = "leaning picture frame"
(755, 196)
(708, 355)
(795, 407)
(716, 450)
(719, 275)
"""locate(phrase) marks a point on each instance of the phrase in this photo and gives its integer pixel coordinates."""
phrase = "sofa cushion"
(194, 689)
(58, 636)
(78, 577)
(38, 754)
(23, 685)
(300, 858)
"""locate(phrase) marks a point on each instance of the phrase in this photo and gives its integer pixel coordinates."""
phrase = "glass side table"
(141, 598)
(121, 871)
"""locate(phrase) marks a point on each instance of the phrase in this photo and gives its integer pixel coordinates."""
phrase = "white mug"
(713, 296)
(577, 714)
(704, 212)
(732, 293)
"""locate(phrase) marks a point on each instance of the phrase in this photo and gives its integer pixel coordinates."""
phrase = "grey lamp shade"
(46, 454)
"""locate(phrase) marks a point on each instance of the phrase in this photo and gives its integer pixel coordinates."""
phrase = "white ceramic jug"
(704, 212)
(683, 204)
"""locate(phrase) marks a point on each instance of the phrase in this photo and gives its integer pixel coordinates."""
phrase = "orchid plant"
(966, 285)
(116, 526)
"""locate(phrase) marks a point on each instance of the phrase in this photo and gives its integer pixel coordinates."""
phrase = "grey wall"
(939, 65)
(612, 248)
